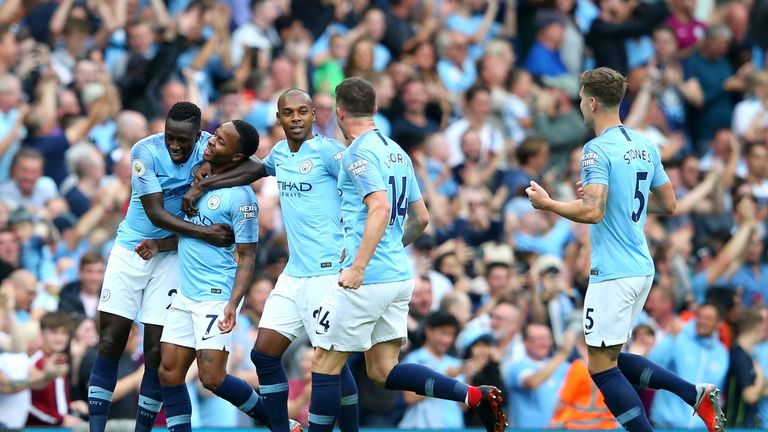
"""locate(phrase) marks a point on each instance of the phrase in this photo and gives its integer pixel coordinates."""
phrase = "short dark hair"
(28, 153)
(441, 318)
(530, 147)
(475, 89)
(605, 84)
(356, 96)
(77, 25)
(249, 137)
(54, 320)
(747, 320)
(185, 111)
(494, 265)
(91, 257)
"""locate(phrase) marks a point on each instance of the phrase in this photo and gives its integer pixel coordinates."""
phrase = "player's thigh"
(608, 307)
(114, 331)
(309, 300)
(393, 323)
(161, 288)
(206, 315)
(281, 312)
(346, 318)
(180, 326)
(125, 278)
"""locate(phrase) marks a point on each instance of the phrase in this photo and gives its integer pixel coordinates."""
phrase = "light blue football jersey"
(309, 198)
(631, 166)
(376, 163)
(208, 271)
(152, 171)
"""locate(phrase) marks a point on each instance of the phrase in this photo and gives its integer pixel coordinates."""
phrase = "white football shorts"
(611, 308)
(135, 288)
(195, 324)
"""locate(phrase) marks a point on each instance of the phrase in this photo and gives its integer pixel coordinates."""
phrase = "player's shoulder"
(204, 137)
(279, 148)
(150, 143)
(326, 144)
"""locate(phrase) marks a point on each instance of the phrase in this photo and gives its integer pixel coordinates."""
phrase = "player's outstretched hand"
(147, 249)
(220, 235)
(227, 324)
(537, 195)
(351, 278)
(190, 198)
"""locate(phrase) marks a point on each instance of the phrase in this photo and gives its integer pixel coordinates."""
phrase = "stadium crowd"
(483, 94)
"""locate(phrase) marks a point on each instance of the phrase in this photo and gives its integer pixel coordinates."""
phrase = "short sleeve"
(269, 164)
(361, 167)
(143, 178)
(244, 211)
(595, 167)
(659, 175)
(333, 152)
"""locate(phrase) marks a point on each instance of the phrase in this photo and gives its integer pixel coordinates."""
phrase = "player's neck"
(357, 127)
(296, 145)
(221, 168)
(606, 121)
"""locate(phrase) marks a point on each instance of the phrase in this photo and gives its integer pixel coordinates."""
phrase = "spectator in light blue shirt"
(440, 331)
(455, 69)
(695, 354)
(533, 382)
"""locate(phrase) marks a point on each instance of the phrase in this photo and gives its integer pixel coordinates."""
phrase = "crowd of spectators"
(483, 94)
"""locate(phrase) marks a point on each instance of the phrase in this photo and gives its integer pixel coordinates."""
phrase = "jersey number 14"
(399, 205)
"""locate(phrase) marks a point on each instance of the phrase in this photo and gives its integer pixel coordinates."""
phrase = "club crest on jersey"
(305, 166)
(138, 168)
(214, 202)
(105, 295)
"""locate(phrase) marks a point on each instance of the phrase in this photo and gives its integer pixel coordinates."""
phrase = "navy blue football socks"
(273, 387)
(178, 408)
(150, 400)
(348, 417)
(426, 382)
(622, 400)
(237, 392)
(325, 402)
(101, 385)
(646, 374)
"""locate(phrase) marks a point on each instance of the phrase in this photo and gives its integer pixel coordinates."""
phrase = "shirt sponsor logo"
(249, 211)
(358, 168)
(214, 202)
(293, 189)
(589, 159)
(305, 166)
(338, 156)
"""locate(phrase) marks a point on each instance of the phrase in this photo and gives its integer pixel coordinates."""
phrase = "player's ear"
(238, 157)
(339, 113)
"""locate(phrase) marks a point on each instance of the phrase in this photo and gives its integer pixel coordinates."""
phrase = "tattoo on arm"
(596, 197)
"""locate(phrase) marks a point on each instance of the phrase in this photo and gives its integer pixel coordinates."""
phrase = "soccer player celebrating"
(161, 172)
(623, 179)
(367, 312)
(204, 312)
(306, 168)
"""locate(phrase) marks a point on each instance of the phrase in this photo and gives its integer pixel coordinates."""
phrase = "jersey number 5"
(399, 206)
(641, 175)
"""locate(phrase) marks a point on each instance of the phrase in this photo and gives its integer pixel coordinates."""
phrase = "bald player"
(307, 168)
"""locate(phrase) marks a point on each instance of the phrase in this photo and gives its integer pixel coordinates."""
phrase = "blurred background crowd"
(483, 94)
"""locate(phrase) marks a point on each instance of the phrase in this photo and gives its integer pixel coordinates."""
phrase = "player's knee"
(377, 373)
(110, 347)
(167, 376)
(212, 380)
(152, 356)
